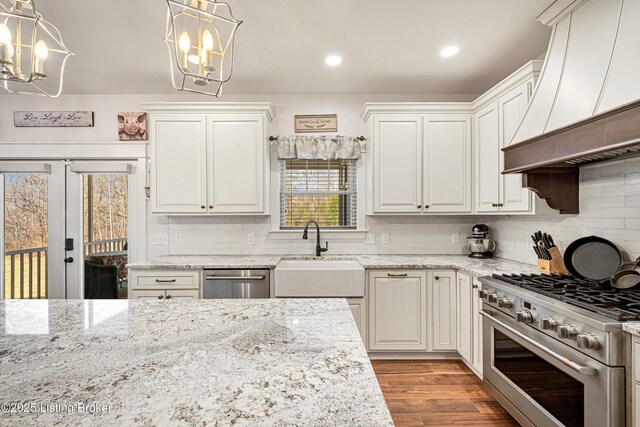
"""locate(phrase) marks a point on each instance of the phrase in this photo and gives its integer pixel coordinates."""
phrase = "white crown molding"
(530, 69)
(414, 108)
(265, 108)
(522, 74)
(558, 11)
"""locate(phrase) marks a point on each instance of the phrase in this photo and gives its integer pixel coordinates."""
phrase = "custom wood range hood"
(586, 106)
(550, 163)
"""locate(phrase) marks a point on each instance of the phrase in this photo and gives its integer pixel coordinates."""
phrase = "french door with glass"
(65, 228)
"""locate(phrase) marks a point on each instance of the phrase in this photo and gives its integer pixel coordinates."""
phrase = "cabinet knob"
(494, 205)
(160, 296)
(500, 205)
(426, 206)
(202, 206)
(419, 206)
(436, 277)
(168, 296)
(474, 286)
(210, 206)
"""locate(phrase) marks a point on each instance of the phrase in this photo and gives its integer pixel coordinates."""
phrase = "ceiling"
(388, 46)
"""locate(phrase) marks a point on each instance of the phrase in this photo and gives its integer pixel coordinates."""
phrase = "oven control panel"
(561, 327)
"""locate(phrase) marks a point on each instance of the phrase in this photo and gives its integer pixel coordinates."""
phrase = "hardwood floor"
(437, 393)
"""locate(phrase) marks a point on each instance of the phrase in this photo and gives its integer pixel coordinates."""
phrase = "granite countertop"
(632, 327)
(477, 267)
(285, 362)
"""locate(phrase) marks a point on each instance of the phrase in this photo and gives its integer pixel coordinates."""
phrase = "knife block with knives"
(550, 259)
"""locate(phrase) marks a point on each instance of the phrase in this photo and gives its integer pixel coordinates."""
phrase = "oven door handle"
(583, 370)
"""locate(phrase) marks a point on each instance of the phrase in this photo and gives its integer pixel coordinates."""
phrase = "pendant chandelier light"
(32, 53)
(200, 37)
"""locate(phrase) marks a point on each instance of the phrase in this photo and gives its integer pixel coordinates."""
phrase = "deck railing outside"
(26, 273)
(26, 269)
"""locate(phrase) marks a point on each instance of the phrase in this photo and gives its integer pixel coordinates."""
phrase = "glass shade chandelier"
(32, 53)
(200, 38)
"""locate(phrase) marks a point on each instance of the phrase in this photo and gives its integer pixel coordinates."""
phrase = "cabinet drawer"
(174, 279)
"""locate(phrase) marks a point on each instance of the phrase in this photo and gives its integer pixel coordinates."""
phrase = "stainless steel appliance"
(480, 245)
(554, 351)
(235, 284)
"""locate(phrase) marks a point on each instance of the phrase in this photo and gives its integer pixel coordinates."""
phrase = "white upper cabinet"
(209, 158)
(495, 125)
(512, 106)
(397, 148)
(447, 163)
(235, 155)
(421, 163)
(487, 166)
(178, 175)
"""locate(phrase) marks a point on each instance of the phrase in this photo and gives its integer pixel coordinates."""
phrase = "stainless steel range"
(554, 351)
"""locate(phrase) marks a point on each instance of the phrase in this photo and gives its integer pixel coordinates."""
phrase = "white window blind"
(324, 190)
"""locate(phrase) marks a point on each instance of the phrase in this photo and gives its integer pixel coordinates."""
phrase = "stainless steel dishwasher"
(235, 284)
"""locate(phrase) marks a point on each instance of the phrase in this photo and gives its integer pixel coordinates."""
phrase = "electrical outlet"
(370, 239)
(385, 238)
(251, 239)
(158, 239)
(455, 238)
(177, 239)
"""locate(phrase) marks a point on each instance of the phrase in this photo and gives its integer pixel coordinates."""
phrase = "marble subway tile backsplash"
(609, 207)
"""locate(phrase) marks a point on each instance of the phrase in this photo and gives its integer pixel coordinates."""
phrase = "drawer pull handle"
(234, 277)
(165, 280)
(397, 274)
(475, 286)
(168, 296)
(160, 296)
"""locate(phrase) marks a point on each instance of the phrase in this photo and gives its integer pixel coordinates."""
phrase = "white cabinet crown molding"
(414, 108)
(558, 11)
(522, 74)
(265, 108)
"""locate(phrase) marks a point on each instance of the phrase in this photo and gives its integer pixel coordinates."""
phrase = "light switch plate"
(370, 239)
(385, 238)
(251, 239)
(455, 238)
(158, 239)
(177, 239)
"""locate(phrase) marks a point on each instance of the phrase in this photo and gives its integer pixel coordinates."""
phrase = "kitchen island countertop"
(189, 362)
(474, 266)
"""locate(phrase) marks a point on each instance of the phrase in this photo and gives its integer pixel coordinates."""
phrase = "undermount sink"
(319, 277)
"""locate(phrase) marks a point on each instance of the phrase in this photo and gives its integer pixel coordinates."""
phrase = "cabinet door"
(358, 310)
(464, 318)
(447, 163)
(486, 167)
(397, 310)
(178, 164)
(182, 294)
(476, 352)
(397, 145)
(444, 310)
(147, 294)
(512, 107)
(236, 145)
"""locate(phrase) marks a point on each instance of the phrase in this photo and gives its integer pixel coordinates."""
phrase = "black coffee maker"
(480, 245)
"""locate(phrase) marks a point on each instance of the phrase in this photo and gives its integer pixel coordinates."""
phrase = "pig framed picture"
(132, 126)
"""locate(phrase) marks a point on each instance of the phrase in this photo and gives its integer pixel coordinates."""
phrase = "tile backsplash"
(609, 207)
(230, 235)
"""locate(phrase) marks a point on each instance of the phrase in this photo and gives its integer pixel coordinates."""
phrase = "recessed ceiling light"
(333, 60)
(449, 51)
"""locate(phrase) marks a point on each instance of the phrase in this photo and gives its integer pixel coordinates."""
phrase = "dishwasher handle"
(261, 277)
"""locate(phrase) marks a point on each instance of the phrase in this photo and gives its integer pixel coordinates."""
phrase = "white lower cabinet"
(164, 284)
(635, 376)
(358, 308)
(443, 289)
(398, 310)
(469, 321)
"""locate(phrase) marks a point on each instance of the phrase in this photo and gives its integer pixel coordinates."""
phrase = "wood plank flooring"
(437, 393)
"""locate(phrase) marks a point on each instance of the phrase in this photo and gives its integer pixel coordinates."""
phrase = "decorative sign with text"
(316, 123)
(53, 119)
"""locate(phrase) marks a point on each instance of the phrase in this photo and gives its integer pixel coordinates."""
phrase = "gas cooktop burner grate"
(618, 304)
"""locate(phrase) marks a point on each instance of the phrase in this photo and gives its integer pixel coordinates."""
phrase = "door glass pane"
(555, 391)
(25, 235)
(105, 246)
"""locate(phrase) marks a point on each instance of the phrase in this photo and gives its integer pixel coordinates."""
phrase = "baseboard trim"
(413, 356)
